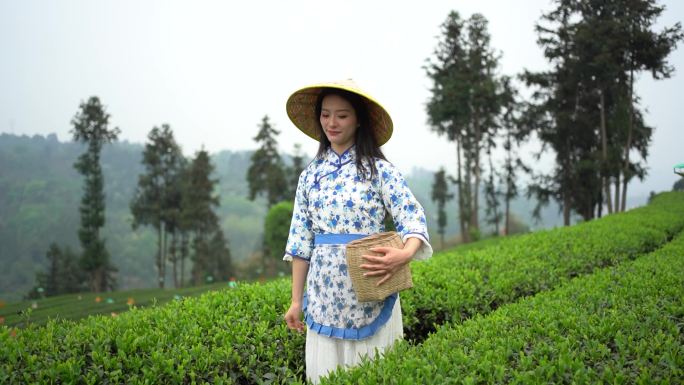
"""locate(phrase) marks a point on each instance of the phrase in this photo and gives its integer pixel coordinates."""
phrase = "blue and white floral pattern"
(332, 199)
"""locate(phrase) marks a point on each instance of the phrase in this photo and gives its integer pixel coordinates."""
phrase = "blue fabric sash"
(336, 239)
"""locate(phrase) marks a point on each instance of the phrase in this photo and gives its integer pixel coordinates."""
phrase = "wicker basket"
(366, 288)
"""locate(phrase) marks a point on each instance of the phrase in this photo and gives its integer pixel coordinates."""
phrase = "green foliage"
(91, 127)
(277, 228)
(618, 325)
(528, 264)
(238, 335)
(221, 337)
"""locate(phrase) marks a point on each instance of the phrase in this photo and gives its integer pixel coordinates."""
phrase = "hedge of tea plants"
(238, 335)
(619, 325)
(454, 287)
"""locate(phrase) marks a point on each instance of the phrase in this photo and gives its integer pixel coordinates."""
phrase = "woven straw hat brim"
(301, 109)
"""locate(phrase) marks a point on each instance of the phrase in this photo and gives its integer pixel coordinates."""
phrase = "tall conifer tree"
(156, 201)
(266, 173)
(91, 127)
(586, 107)
(464, 105)
(200, 202)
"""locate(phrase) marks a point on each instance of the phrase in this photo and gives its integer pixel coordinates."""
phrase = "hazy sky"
(213, 69)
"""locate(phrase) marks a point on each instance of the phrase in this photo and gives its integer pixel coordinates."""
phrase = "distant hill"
(40, 192)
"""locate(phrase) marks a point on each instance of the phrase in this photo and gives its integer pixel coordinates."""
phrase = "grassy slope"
(77, 306)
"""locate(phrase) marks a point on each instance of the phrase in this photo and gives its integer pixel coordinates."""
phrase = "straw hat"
(301, 108)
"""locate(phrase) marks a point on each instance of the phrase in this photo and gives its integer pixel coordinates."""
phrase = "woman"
(344, 194)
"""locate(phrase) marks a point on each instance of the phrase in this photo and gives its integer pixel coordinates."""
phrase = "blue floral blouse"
(332, 199)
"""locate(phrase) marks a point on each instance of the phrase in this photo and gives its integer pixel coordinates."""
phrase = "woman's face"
(339, 122)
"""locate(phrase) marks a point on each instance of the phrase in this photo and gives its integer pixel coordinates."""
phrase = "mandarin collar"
(338, 159)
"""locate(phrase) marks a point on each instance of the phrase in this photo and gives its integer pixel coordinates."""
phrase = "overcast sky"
(213, 69)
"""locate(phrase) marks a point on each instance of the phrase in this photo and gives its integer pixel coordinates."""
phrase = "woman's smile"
(339, 122)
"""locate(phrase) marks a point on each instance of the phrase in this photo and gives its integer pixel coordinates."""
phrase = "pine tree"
(595, 47)
(156, 201)
(464, 105)
(627, 44)
(483, 63)
(448, 107)
(266, 173)
(558, 113)
(90, 126)
(199, 214)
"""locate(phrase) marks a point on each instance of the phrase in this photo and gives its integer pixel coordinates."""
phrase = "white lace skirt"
(324, 354)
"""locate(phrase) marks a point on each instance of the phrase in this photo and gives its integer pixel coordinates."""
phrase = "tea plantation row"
(451, 289)
(619, 325)
(238, 336)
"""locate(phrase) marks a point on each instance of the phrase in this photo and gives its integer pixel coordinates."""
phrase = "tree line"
(175, 196)
(584, 109)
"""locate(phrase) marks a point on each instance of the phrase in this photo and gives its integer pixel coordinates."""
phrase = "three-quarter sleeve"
(301, 237)
(407, 213)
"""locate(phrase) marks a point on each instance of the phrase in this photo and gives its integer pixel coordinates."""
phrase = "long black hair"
(366, 144)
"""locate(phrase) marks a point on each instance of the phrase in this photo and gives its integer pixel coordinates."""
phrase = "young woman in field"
(342, 195)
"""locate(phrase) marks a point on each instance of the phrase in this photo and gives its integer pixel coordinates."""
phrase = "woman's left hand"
(387, 264)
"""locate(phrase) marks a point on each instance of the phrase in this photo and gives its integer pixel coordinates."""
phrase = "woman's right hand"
(293, 317)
